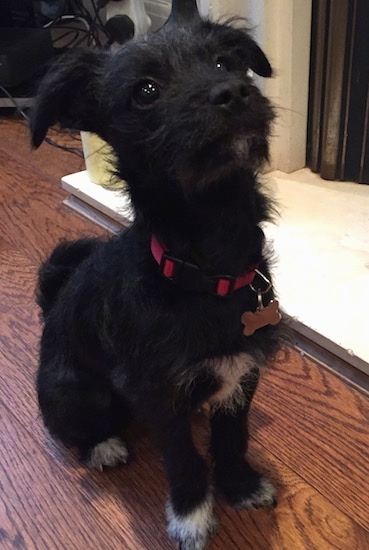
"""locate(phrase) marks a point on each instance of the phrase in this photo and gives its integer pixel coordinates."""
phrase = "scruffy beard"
(240, 150)
(220, 161)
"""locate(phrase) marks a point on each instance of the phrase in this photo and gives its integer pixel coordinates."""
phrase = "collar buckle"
(185, 274)
(190, 277)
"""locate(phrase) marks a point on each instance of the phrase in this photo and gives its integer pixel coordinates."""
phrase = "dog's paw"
(110, 452)
(243, 487)
(192, 531)
(264, 495)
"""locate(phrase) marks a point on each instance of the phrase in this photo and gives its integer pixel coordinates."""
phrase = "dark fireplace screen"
(338, 126)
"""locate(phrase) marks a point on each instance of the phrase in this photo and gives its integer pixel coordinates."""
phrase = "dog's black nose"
(228, 94)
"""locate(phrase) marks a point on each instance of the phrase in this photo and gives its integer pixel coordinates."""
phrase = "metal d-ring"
(259, 291)
(266, 280)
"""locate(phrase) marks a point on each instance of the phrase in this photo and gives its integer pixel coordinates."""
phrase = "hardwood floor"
(310, 430)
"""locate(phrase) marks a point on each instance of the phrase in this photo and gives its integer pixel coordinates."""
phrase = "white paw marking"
(108, 453)
(192, 532)
(263, 496)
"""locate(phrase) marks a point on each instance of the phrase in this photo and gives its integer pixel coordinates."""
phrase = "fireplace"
(338, 121)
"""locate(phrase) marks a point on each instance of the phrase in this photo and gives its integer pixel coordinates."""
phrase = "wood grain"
(33, 219)
(327, 423)
(44, 506)
(303, 520)
(20, 332)
(47, 160)
(310, 431)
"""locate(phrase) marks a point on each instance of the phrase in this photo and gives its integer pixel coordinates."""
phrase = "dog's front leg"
(240, 484)
(190, 506)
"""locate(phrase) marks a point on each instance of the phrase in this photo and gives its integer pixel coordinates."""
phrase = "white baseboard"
(113, 204)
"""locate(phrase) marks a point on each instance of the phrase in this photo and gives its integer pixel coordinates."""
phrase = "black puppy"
(149, 322)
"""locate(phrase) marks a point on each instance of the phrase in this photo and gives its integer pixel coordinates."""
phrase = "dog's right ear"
(69, 95)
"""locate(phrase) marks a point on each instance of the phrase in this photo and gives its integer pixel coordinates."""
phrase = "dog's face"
(178, 104)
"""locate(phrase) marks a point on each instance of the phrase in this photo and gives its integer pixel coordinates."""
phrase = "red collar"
(190, 276)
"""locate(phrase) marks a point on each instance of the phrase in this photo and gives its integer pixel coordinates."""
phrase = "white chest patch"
(230, 371)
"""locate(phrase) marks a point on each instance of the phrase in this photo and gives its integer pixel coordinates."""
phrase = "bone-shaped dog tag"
(262, 317)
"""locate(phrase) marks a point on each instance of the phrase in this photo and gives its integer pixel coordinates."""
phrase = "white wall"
(287, 43)
(221, 8)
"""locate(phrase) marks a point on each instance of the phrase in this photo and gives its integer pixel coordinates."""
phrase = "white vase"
(100, 161)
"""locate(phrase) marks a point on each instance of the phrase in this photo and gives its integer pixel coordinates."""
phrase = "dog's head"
(178, 104)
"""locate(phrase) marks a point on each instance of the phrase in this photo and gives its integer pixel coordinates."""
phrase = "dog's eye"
(222, 64)
(146, 93)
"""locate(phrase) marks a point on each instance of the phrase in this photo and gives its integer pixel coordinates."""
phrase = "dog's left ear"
(258, 61)
(69, 95)
(239, 41)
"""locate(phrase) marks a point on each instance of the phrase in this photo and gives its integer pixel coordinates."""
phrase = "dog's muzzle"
(230, 94)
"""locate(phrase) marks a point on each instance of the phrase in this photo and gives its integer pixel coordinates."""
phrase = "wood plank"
(319, 427)
(302, 520)
(51, 499)
(44, 506)
(32, 217)
(15, 141)
(20, 330)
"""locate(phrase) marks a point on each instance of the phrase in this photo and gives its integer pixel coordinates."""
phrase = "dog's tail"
(55, 272)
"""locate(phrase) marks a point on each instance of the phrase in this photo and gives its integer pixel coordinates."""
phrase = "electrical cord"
(93, 23)
(68, 18)
(90, 33)
(70, 44)
(15, 103)
(73, 150)
(96, 24)
(73, 43)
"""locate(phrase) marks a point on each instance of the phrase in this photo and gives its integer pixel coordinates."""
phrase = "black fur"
(118, 336)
